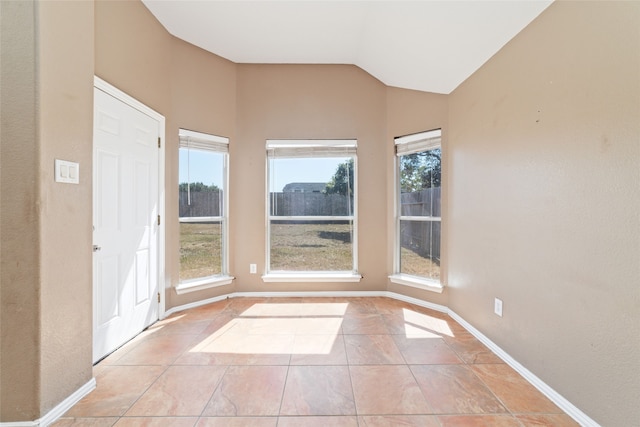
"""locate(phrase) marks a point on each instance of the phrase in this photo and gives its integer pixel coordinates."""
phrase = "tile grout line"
(435, 417)
(494, 395)
(413, 375)
(213, 392)
(284, 388)
(166, 367)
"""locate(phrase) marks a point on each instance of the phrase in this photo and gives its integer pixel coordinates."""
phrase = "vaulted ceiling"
(426, 45)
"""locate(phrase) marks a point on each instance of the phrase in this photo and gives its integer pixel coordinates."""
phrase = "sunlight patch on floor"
(296, 309)
(278, 329)
(418, 325)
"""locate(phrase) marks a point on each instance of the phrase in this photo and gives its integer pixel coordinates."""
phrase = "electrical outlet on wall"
(253, 268)
(497, 306)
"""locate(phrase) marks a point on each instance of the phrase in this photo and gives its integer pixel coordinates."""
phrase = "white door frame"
(134, 103)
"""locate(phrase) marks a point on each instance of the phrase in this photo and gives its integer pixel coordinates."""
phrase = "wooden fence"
(421, 203)
(207, 203)
(305, 204)
(422, 237)
(203, 203)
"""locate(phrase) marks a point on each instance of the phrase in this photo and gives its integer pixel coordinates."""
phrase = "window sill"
(417, 282)
(200, 284)
(311, 277)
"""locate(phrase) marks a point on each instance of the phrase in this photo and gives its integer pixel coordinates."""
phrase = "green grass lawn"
(417, 265)
(294, 247)
(311, 247)
(200, 249)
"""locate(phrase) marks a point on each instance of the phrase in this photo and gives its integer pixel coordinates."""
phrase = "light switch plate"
(67, 172)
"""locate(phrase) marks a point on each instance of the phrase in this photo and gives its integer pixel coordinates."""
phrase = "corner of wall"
(20, 382)
(65, 63)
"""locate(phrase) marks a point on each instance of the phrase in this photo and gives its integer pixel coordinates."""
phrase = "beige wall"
(541, 166)
(410, 111)
(65, 97)
(306, 102)
(191, 88)
(46, 226)
(133, 52)
(544, 173)
(203, 98)
(197, 90)
(19, 226)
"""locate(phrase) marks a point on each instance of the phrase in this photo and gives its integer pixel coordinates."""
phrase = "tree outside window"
(311, 206)
(419, 160)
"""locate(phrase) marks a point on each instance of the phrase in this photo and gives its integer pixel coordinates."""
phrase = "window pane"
(420, 196)
(201, 183)
(420, 182)
(200, 197)
(311, 186)
(420, 248)
(311, 245)
(200, 250)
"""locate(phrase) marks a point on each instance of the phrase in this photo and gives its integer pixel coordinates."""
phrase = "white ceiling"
(425, 45)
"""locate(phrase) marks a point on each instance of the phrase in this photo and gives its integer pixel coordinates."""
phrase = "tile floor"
(326, 362)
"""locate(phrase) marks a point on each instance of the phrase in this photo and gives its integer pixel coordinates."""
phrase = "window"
(311, 210)
(418, 216)
(202, 204)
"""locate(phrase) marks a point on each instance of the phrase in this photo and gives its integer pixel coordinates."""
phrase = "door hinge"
(158, 296)
(158, 142)
(158, 219)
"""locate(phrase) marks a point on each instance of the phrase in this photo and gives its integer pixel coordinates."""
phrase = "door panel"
(142, 276)
(107, 165)
(108, 302)
(125, 222)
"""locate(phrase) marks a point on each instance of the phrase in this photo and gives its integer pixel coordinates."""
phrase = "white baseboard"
(418, 302)
(276, 295)
(20, 424)
(311, 294)
(570, 409)
(58, 411)
(183, 307)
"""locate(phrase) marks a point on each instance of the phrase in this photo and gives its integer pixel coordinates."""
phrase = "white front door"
(125, 221)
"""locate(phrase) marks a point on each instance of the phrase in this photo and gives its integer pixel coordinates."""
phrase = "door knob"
(96, 248)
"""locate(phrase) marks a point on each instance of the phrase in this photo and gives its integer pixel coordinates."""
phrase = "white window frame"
(217, 144)
(300, 148)
(410, 144)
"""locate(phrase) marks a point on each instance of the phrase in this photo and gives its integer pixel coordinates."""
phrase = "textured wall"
(65, 132)
(544, 166)
(47, 74)
(133, 52)
(203, 98)
(307, 102)
(408, 112)
(196, 90)
(19, 229)
(541, 150)
(191, 88)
